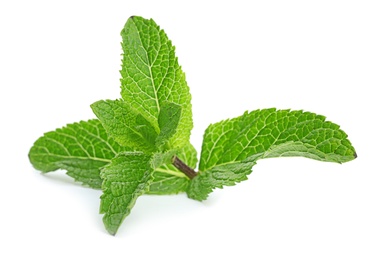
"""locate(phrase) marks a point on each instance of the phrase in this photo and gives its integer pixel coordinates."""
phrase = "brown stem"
(183, 167)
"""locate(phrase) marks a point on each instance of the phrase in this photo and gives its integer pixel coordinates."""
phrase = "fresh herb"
(140, 143)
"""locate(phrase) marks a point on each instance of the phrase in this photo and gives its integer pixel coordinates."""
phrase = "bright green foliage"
(169, 180)
(80, 148)
(231, 147)
(169, 118)
(125, 125)
(151, 75)
(125, 179)
(130, 128)
(129, 151)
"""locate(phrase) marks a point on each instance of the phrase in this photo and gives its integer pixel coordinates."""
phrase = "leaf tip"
(110, 227)
(113, 233)
(132, 17)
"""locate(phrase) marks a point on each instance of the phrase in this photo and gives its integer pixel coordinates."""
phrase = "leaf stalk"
(182, 167)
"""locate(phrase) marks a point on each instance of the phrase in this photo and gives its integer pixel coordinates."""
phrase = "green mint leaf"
(151, 75)
(125, 179)
(167, 179)
(125, 125)
(80, 148)
(130, 128)
(231, 147)
(169, 118)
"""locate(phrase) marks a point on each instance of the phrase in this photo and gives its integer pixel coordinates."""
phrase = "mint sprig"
(140, 143)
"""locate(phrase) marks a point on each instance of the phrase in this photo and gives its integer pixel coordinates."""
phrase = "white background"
(58, 57)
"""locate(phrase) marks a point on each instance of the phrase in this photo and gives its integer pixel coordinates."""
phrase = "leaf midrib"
(149, 65)
(74, 157)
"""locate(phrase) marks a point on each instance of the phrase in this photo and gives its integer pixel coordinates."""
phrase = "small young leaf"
(231, 147)
(80, 148)
(125, 179)
(151, 75)
(169, 118)
(130, 128)
(125, 125)
(169, 180)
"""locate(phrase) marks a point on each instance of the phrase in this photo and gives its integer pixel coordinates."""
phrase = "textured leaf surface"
(127, 126)
(80, 148)
(151, 75)
(231, 147)
(169, 118)
(125, 179)
(169, 180)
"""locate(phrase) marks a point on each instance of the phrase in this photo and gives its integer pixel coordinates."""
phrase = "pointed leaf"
(169, 118)
(231, 147)
(125, 179)
(80, 148)
(151, 75)
(125, 125)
